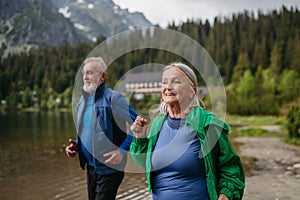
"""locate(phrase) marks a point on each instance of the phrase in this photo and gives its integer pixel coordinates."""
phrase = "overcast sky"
(163, 12)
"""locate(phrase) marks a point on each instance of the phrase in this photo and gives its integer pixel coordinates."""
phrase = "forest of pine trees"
(258, 56)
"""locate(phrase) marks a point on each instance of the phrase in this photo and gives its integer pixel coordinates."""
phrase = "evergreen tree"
(275, 62)
(246, 86)
(288, 87)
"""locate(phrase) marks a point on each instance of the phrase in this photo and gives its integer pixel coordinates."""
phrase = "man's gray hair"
(102, 65)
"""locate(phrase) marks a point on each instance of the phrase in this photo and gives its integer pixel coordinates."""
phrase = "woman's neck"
(176, 112)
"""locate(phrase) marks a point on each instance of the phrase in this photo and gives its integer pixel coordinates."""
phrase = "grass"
(295, 141)
(254, 126)
(256, 132)
(256, 120)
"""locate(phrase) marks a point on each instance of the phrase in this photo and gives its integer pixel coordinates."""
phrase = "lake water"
(33, 164)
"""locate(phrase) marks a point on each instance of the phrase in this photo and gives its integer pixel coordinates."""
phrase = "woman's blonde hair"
(189, 73)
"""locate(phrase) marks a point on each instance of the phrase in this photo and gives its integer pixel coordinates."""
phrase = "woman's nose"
(169, 85)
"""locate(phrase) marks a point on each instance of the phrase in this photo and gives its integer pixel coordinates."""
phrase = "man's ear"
(103, 77)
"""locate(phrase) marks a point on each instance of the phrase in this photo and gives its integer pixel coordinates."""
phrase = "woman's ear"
(193, 92)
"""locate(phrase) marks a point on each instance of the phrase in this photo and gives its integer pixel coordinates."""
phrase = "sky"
(163, 12)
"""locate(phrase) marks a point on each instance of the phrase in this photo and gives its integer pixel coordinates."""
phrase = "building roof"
(143, 77)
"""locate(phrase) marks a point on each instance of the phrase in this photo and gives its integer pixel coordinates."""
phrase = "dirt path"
(276, 174)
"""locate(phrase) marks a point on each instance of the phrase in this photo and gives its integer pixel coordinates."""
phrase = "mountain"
(26, 25)
(99, 17)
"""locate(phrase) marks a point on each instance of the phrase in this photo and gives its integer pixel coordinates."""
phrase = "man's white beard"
(91, 88)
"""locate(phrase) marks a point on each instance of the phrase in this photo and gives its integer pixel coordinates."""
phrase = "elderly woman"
(187, 154)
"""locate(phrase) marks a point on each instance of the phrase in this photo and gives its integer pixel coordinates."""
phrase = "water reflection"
(33, 164)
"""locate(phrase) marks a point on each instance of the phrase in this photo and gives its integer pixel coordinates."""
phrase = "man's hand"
(222, 197)
(71, 149)
(114, 157)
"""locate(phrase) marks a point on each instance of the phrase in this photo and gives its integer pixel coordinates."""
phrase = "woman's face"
(176, 87)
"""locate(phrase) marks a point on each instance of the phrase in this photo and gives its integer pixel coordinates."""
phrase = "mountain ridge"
(27, 25)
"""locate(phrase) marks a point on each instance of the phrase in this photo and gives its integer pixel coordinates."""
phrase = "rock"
(297, 166)
(289, 173)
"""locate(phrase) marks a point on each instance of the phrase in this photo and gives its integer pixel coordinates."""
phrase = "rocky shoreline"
(275, 170)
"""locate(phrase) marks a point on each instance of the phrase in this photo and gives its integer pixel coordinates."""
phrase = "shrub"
(293, 122)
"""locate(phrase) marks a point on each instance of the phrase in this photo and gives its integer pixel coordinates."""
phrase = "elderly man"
(102, 142)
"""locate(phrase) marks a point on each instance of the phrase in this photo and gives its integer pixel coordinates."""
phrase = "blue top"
(109, 115)
(178, 170)
(86, 136)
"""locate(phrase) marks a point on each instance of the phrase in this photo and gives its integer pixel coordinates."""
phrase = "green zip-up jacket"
(224, 171)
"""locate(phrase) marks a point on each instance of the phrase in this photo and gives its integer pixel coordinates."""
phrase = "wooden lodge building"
(148, 83)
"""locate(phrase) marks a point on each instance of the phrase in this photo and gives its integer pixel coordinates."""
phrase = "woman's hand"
(222, 197)
(139, 127)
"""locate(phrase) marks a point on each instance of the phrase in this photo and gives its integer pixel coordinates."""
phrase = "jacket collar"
(192, 119)
(100, 91)
(197, 119)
